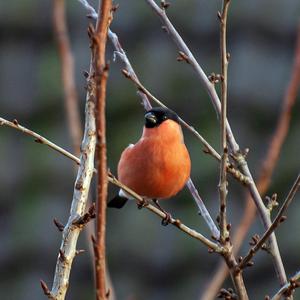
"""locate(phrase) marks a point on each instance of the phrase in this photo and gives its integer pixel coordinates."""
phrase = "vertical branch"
(67, 73)
(99, 39)
(230, 260)
(71, 231)
(224, 159)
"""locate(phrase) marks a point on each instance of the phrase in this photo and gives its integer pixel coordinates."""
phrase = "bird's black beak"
(150, 120)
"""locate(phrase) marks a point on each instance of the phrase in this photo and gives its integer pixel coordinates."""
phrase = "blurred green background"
(146, 260)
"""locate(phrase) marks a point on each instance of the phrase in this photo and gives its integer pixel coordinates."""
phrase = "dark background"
(146, 260)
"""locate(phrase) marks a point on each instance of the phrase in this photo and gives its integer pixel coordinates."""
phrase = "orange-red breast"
(158, 165)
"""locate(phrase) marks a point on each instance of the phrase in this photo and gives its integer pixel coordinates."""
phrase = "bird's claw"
(142, 204)
(166, 220)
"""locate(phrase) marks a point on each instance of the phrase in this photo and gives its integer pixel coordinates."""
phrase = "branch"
(99, 39)
(237, 154)
(177, 223)
(288, 289)
(223, 178)
(266, 172)
(71, 232)
(277, 221)
(38, 138)
(203, 210)
(67, 73)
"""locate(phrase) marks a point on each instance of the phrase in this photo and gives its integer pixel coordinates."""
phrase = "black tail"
(117, 202)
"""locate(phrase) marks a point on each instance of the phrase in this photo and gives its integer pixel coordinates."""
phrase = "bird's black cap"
(155, 116)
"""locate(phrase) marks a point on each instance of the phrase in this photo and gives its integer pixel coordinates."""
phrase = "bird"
(158, 166)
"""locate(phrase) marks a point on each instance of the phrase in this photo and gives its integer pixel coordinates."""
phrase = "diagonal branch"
(294, 282)
(38, 138)
(211, 245)
(203, 210)
(279, 218)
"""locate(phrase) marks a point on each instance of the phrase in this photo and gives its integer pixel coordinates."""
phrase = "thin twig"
(266, 172)
(38, 138)
(211, 245)
(279, 218)
(223, 178)
(67, 73)
(237, 154)
(287, 289)
(224, 232)
(99, 39)
(202, 210)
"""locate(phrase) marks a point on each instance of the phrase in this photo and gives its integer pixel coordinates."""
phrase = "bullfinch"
(158, 165)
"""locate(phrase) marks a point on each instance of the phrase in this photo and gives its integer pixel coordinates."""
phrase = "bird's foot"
(167, 219)
(142, 204)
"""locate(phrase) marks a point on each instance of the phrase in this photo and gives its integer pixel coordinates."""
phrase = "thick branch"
(71, 232)
(99, 39)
